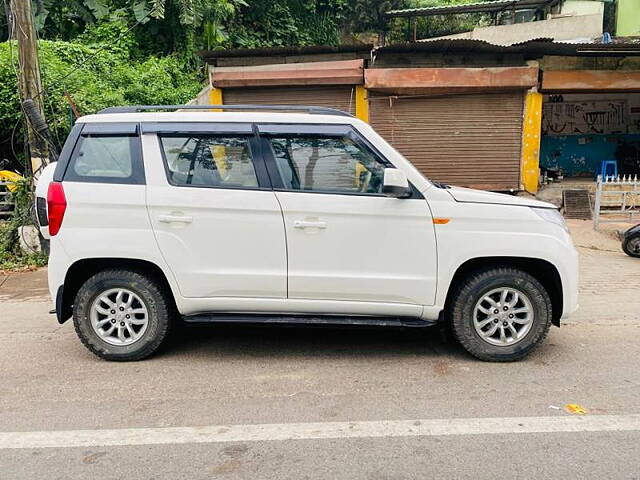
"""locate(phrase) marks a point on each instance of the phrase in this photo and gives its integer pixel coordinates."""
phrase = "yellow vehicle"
(11, 178)
(8, 177)
(8, 184)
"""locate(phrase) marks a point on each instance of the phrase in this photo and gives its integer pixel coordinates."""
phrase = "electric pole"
(24, 32)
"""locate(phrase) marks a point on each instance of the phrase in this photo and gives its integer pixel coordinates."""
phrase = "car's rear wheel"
(122, 315)
(631, 245)
(500, 314)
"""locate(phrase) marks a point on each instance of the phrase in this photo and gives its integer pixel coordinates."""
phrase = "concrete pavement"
(240, 377)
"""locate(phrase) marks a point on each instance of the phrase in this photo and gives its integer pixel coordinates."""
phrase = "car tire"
(148, 317)
(471, 326)
(631, 245)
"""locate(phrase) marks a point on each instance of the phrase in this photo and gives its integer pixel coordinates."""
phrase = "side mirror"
(395, 183)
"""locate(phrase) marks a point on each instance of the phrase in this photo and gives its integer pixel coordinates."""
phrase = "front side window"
(327, 164)
(209, 161)
(110, 158)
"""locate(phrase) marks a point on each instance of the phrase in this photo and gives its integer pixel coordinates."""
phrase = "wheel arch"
(80, 271)
(542, 270)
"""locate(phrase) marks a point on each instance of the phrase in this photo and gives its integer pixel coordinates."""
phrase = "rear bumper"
(59, 264)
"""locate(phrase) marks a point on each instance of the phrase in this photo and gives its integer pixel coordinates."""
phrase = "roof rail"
(296, 108)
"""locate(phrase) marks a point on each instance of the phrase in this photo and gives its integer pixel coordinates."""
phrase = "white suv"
(251, 215)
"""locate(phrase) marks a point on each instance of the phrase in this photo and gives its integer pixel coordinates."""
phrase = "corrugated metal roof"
(469, 42)
(476, 7)
(531, 48)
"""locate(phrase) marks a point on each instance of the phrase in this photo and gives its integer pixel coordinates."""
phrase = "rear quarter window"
(113, 158)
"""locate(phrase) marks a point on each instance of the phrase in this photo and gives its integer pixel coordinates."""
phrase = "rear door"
(104, 186)
(346, 240)
(217, 222)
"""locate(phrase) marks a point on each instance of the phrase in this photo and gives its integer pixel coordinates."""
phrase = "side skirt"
(307, 319)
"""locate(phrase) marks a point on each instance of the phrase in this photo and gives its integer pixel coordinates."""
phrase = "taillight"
(56, 206)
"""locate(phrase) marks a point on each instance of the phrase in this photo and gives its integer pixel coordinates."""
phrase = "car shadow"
(268, 341)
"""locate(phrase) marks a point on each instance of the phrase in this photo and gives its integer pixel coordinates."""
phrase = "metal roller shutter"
(466, 140)
(340, 97)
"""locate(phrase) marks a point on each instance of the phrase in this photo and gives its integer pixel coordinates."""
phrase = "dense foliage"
(11, 257)
(186, 26)
(167, 26)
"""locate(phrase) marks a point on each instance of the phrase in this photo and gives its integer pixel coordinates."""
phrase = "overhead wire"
(46, 100)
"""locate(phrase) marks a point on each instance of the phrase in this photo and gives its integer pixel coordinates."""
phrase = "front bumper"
(570, 276)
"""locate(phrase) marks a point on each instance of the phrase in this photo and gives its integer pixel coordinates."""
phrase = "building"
(465, 111)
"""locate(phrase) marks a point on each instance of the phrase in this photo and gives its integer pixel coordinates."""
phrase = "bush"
(11, 256)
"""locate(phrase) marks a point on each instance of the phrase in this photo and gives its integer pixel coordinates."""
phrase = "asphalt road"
(338, 403)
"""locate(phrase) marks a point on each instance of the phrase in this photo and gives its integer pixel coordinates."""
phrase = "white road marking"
(311, 431)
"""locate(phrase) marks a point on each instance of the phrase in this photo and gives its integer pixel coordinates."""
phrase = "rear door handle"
(175, 218)
(309, 224)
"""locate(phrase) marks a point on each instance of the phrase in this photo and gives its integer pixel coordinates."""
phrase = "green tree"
(164, 26)
(437, 25)
(361, 16)
(267, 23)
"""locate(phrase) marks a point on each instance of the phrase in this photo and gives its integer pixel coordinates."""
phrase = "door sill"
(307, 319)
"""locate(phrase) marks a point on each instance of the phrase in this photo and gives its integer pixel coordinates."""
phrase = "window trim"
(118, 128)
(303, 129)
(262, 176)
(98, 130)
(67, 151)
(268, 131)
(177, 128)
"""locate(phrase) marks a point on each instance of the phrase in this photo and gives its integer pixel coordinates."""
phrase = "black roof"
(278, 51)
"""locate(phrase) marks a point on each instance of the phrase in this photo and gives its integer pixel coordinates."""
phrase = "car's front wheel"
(121, 315)
(500, 314)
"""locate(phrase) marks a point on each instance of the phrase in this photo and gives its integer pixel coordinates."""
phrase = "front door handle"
(175, 218)
(309, 224)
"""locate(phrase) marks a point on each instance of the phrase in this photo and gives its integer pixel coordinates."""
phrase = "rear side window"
(209, 161)
(106, 159)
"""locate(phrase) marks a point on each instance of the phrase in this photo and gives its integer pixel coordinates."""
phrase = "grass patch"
(12, 258)
(12, 262)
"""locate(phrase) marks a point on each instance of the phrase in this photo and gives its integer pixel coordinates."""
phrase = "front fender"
(497, 231)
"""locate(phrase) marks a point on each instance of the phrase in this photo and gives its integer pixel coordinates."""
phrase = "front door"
(345, 240)
(217, 222)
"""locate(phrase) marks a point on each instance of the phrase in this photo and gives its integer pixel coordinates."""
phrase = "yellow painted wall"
(215, 97)
(362, 103)
(531, 131)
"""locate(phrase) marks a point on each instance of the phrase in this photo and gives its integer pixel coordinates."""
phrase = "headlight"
(551, 215)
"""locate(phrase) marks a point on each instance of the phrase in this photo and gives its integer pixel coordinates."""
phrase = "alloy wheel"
(503, 316)
(119, 316)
